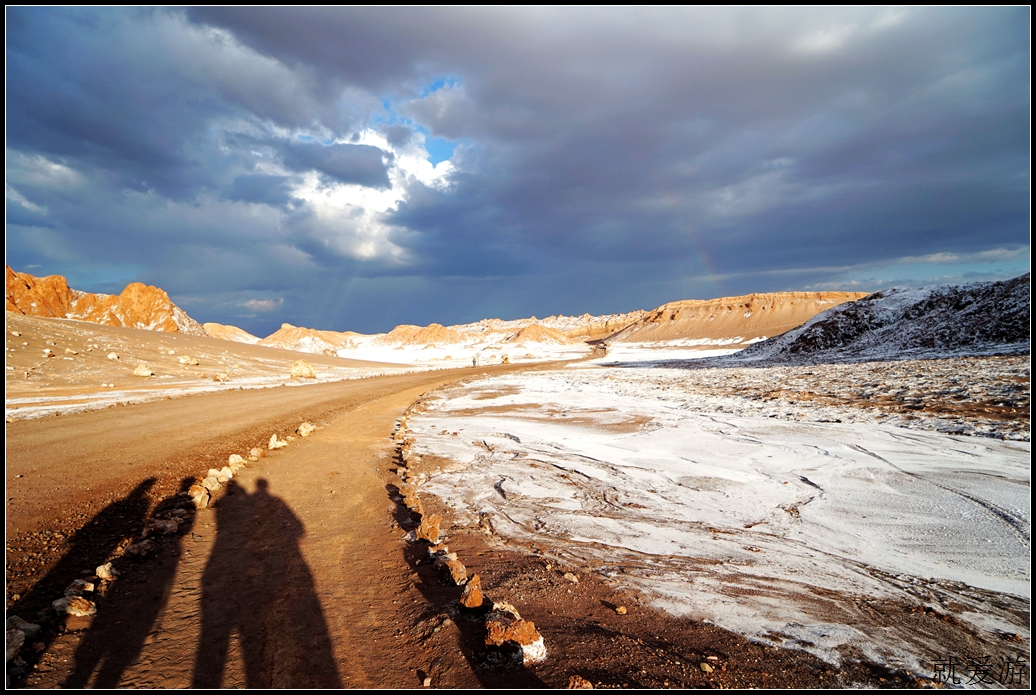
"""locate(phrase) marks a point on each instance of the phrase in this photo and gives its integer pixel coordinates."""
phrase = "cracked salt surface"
(818, 527)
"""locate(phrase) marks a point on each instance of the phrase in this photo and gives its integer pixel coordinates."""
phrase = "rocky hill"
(535, 333)
(231, 333)
(573, 328)
(587, 327)
(310, 340)
(432, 334)
(746, 318)
(137, 306)
(981, 318)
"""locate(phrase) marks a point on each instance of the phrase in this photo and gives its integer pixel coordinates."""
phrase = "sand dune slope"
(432, 334)
(538, 334)
(746, 317)
(317, 342)
(224, 332)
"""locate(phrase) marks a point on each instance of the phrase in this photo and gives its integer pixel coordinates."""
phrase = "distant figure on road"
(474, 361)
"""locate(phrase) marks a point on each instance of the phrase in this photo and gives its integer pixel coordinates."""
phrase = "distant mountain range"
(946, 320)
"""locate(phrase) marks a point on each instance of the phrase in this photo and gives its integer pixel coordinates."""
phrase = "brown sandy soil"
(299, 575)
(76, 373)
(587, 636)
(315, 559)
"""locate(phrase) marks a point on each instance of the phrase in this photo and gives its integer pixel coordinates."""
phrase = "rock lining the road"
(512, 640)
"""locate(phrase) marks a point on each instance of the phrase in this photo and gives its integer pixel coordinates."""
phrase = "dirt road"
(311, 550)
(299, 575)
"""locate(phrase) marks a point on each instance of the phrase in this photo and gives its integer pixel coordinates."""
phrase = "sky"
(359, 168)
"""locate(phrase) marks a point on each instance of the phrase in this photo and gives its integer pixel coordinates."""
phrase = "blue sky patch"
(439, 149)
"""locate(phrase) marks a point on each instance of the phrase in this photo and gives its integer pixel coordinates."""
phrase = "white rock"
(48, 353)
(78, 587)
(301, 369)
(188, 360)
(211, 484)
(306, 429)
(199, 495)
(274, 444)
(113, 356)
(143, 370)
(236, 458)
(224, 474)
(105, 572)
(74, 605)
(537, 651)
(506, 607)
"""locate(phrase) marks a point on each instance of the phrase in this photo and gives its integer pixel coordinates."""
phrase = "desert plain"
(660, 513)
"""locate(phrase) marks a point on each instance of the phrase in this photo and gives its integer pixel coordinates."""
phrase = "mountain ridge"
(732, 320)
(138, 306)
(936, 321)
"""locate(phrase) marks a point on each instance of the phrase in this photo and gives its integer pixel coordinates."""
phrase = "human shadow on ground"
(443, 597)
(257, 584)
(130, 609)
(88, 547)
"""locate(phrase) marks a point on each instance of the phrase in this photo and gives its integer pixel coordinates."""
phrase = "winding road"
(296, 578)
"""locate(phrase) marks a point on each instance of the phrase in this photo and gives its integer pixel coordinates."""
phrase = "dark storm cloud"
(398, 135)
(359, 164)
(261, 188)
(136, 93)
(675, 152)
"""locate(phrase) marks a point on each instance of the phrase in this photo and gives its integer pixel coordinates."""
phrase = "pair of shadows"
(256, 584)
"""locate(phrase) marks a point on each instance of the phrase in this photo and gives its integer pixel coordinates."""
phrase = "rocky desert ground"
(666, 509)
